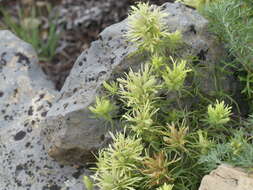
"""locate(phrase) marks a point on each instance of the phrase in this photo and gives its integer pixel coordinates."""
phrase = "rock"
(86, 15)
(71, 133)
(69, 130)
(25, 98)
(226, 177)
(80, 23)
(82, 15)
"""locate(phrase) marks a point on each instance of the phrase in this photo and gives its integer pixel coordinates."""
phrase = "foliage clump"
(218, 114)
(166, 145)
(238, 151)
(174, 77)
(138, 87)
(117, 166)
(103, 109)
(232, 22)
(148, 29)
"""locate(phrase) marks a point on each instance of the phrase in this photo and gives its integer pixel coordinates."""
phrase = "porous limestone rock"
(71, 133)
(25, 97)
(227, 178)
(70, 130)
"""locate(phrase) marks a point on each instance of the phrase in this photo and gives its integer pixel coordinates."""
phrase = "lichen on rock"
(25, 98)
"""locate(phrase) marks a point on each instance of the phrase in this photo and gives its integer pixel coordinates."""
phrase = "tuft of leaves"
(103, 108)
(117, 166)
(175, 137)
(138, 87)
(148, 30)
(142, 120)
(157, 170)
(218, 114)
(112, 87)
(174, 77)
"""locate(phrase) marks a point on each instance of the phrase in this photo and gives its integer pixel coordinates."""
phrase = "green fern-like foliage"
(216, 156)
(232, 22)
(237, 152)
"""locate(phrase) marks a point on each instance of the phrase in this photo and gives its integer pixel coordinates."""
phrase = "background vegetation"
(28, 26)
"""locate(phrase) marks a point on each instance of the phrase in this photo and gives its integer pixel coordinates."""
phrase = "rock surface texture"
(227, 178)
(69, 130)
(25, 98)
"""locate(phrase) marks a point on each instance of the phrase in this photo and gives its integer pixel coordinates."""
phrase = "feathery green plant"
(148, 30)
(218, 114)
(216, 156)
(232, 22)
(103, 108)
(175, 138)
(174, 77)
(117, 166)
(165, 147)
(237, 152)
(138, 87)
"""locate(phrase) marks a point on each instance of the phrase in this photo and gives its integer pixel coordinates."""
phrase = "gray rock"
(70, 133)
(226, 177)
(84, 15)
(25, 97)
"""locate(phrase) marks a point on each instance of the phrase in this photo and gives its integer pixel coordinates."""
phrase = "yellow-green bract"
(147, 29)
